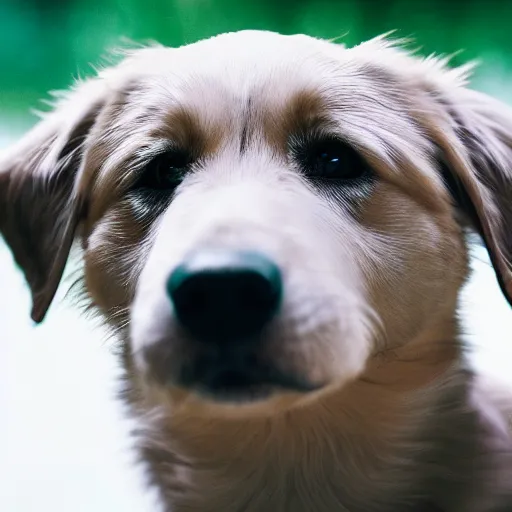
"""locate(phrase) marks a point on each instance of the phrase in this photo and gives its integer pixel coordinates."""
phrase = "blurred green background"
(44, 44)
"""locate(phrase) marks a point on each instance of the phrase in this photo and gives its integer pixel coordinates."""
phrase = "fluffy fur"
(372, 274)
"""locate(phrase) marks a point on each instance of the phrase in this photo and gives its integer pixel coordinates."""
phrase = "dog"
(276, 229)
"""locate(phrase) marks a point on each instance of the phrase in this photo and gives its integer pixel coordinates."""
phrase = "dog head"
(261, 215)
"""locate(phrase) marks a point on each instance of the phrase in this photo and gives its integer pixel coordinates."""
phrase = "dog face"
(262, 215)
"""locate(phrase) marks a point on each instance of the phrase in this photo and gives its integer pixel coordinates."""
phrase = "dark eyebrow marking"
(246, 127)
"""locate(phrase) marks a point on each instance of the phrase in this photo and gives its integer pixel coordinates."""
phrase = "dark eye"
(165, 171)
(332, 159)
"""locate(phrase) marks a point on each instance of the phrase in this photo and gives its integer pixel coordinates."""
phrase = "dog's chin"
(237, 395)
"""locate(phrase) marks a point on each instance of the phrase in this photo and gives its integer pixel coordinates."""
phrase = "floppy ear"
(40, 206)
(476, 141)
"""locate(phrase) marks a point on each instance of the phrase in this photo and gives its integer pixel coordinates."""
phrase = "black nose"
(223, 295)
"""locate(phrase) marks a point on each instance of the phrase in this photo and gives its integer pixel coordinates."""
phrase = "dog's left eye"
(332, 159)
(164, 172)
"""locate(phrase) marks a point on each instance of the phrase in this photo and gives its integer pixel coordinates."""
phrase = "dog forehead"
(239, 60)
(254, 48)
(244, 40)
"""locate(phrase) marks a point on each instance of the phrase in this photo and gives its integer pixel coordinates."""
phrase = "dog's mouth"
(230, 374)
(234, 386)
(237, 383)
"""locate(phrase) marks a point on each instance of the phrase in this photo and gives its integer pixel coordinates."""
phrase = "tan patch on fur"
(300, 114)
(112, 264)
(390, 215)
(184, 127)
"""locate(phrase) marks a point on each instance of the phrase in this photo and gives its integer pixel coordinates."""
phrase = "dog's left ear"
(474, 133)
(40, 205)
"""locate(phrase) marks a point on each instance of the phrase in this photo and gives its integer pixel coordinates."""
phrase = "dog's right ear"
(40, 205)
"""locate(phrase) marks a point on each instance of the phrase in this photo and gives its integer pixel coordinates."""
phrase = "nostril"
(225, 295)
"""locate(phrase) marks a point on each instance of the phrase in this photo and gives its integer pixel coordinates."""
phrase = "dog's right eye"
(164, 172)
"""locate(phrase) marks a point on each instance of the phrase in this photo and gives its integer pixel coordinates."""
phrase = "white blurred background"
(64, 437)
